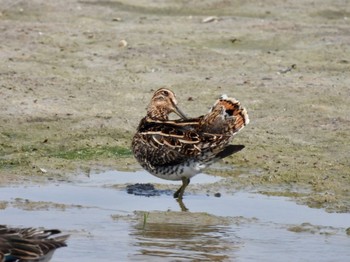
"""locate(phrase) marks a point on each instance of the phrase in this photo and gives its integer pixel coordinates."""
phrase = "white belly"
(181, 171)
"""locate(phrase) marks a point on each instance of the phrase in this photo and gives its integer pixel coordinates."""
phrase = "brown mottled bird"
(180, 149)
(29, 244)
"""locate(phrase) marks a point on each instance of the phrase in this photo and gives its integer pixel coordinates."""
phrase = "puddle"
(110, 178)
(260, 228)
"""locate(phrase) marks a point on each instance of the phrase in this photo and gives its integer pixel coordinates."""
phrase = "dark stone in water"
(147, 190)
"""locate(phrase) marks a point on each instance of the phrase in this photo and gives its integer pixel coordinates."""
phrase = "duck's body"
(29, 244)
(180, 149)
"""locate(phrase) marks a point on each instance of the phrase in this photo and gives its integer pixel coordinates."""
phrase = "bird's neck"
(157, 113)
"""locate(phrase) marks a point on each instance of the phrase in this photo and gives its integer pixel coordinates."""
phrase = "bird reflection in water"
(190, 236)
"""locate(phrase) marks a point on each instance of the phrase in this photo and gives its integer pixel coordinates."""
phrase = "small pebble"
(210, 19)
(123, 43)
(217, 195)
(43, 170)
(348, 231)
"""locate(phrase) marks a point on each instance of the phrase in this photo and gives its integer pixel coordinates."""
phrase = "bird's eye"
(166, 93)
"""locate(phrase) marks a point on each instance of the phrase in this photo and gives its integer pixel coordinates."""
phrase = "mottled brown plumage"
(29, 244)
(162, 104)
(180, 149)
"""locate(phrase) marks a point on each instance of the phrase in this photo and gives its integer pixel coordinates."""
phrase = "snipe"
(180, 149)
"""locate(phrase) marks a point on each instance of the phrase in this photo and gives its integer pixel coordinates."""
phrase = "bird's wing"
(172, 142)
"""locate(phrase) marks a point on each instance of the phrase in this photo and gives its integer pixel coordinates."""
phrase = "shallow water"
(258, 231)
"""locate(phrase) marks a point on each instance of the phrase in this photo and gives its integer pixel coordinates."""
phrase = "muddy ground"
(72, 91)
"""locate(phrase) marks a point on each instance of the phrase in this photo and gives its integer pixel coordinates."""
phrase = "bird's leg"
(182, 205)
(179, 193)
(176, 194)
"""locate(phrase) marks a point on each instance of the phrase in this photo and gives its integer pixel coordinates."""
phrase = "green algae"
(91, 153)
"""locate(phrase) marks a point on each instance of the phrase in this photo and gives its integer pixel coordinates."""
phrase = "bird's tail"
(226, 116)
(229, 150)
(231, 108)
(210, 158)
